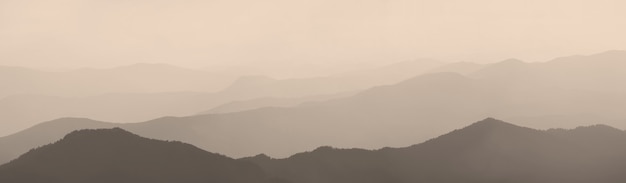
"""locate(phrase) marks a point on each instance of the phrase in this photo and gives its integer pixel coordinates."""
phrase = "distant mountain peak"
(511, 62)
(607, 56)
(478, 129)
(492, 124)
(324, 149)
(262, 156)
(491, 121)
(598, 128)
(463, 68)
(486, 134)
(99, 133)
(116, 155)
(505, 68)
(438, 77)
(611, 53)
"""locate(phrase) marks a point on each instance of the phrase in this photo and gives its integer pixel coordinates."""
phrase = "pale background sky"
(299, 33)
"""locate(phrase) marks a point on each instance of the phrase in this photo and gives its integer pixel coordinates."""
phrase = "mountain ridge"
(116, 155)
(486, 151)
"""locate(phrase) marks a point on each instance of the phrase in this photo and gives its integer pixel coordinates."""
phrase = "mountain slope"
(487, 151)
(601, 72)
(238, 106)
(464, 68)
(392, 115)
(44, 133)
(142, 92)
(284, 131)
(263, 127)
(115, 155)
(22, 111)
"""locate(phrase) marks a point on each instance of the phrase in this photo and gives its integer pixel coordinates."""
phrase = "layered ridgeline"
(143, 91)
(488, 151)
(393, 115)
(366, 120)
(133, 94)
(115, 155)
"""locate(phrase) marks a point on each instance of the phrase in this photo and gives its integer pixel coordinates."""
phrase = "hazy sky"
(289, 33)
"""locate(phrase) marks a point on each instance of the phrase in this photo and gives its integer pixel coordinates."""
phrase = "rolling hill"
(392, 115)
(487, 151)
(103, 94)
(115, 155)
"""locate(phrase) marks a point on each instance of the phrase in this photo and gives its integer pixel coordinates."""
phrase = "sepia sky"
(270, 33)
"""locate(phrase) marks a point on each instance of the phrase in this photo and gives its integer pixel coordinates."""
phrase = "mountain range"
(134, 104)
(115, 155)
(393, 115)
(486, 151)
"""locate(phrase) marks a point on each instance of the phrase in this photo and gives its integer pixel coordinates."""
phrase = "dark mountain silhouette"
(607, 138)
(115, 155)
(395, 115)
(44, 133)
(487, 151)
(179, 129)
